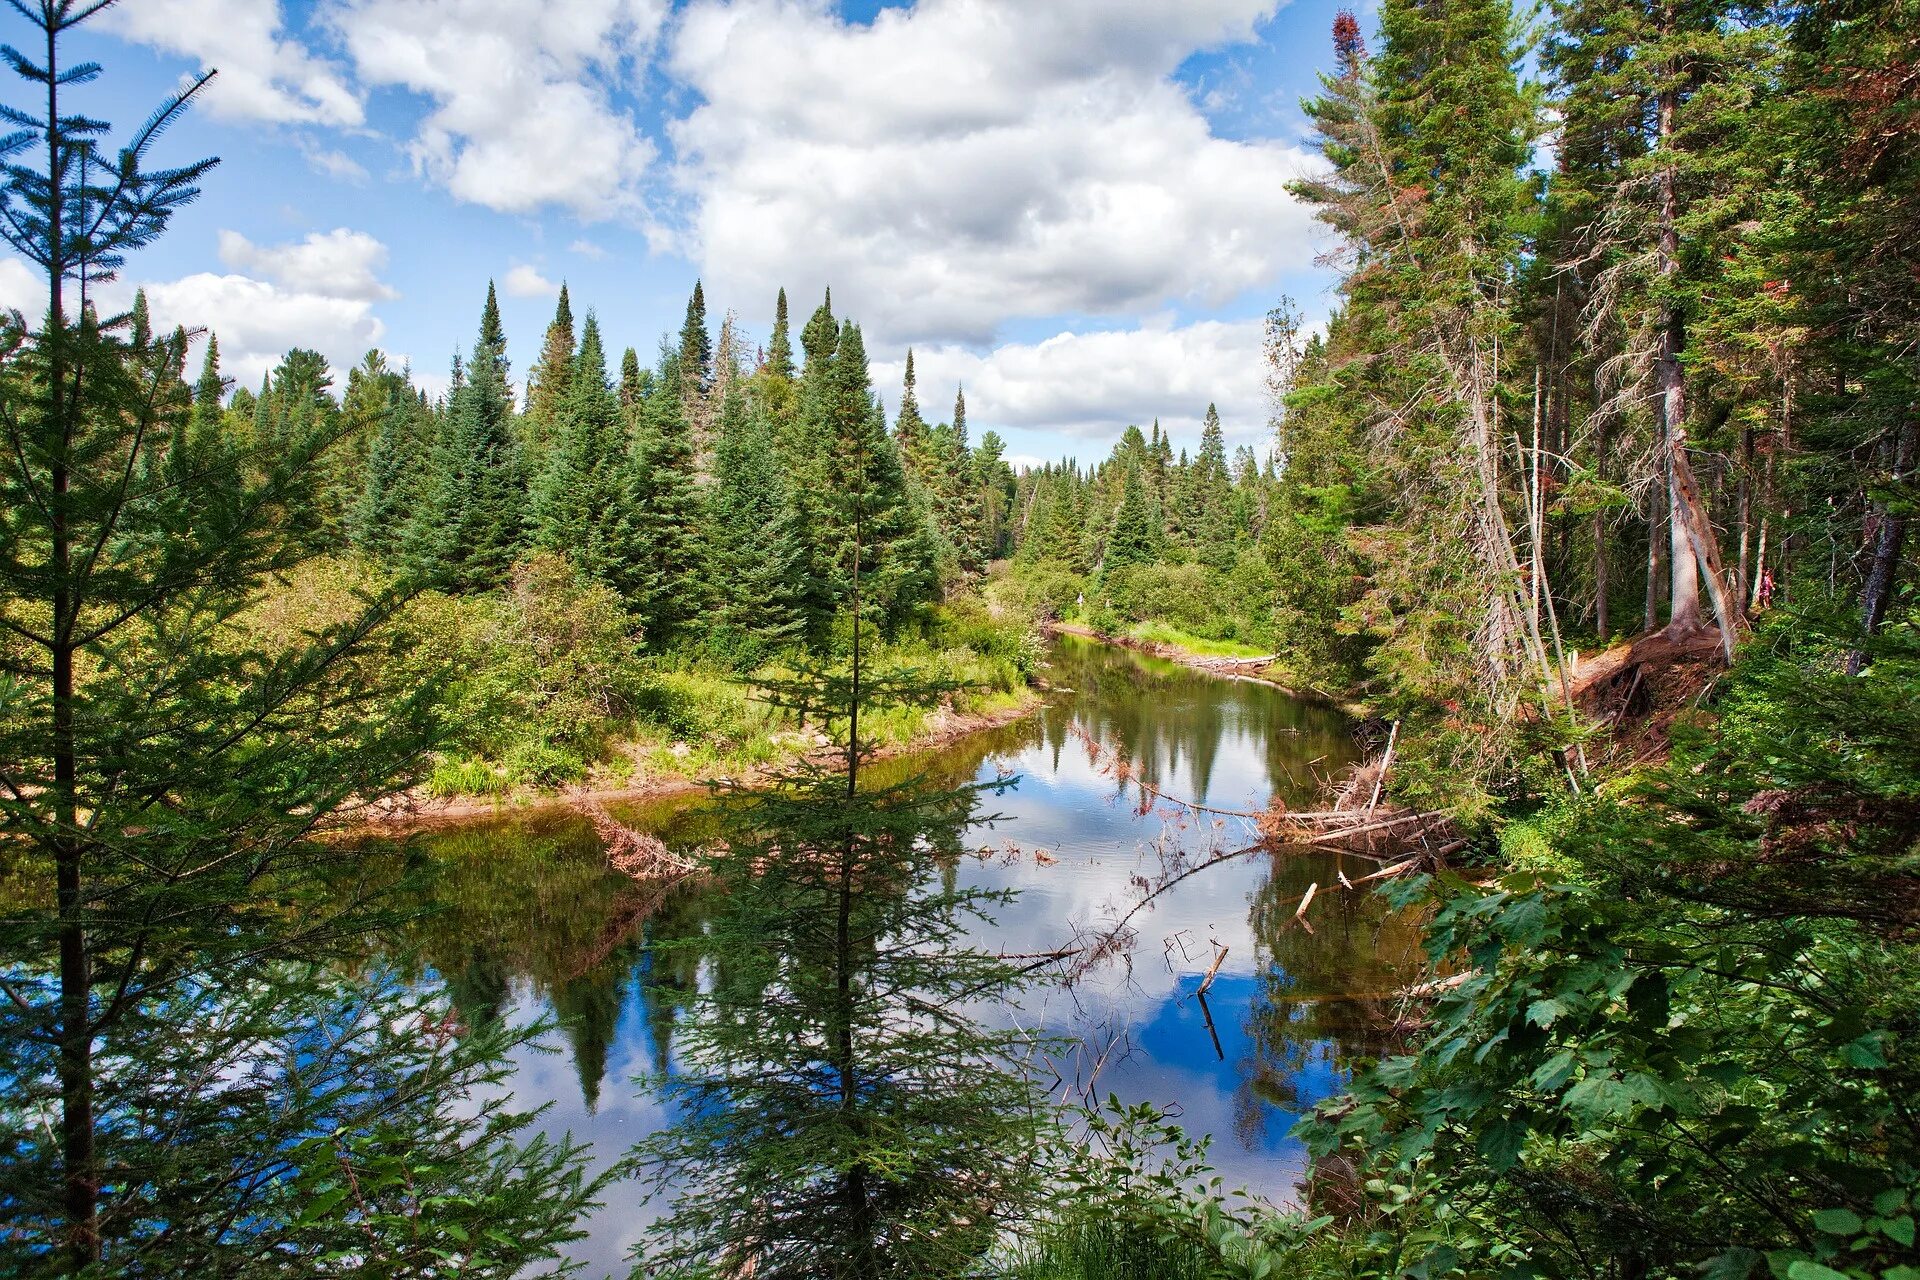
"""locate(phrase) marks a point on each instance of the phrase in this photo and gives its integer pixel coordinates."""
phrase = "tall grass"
(1107, 1250)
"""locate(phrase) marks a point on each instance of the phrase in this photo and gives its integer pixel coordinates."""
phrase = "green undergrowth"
(554, 686)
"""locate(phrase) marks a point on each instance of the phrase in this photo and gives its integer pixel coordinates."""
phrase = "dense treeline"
(700, 489)
(606, 553)
(1625, 343)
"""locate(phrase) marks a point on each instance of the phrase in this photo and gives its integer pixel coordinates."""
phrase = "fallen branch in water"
(636, 853)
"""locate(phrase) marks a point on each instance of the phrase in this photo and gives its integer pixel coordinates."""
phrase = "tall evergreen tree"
(550, 378)
(577, 502)
(910, 429)
(756, 553)
(1134, 537)
(476, 525)
(659, 572)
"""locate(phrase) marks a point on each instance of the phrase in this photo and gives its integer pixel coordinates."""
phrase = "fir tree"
(910, 430)
(660, 539)
(1133, 539)
(493, 337)
(756, 554)
(550, 378)
(576, 508)
(476, 523)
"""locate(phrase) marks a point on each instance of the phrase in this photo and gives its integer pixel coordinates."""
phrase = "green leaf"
(1806, 1269)
(1500, 1143)
(1541, 1013)
(1839, 1222)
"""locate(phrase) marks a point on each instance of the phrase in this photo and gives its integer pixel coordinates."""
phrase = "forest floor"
(1636, 689)
(417, 808)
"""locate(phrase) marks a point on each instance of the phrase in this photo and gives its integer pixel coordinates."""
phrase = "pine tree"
(659, 571)
(910, 432)
(576, 504)
(1133, 539)
(756, 554)
(476, 523)
(550, 378)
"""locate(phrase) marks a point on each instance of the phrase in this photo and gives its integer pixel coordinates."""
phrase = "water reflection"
(533, 920)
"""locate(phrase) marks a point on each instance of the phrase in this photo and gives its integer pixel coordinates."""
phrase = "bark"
(1696, 548)
(1889, 544)
(78, 1155)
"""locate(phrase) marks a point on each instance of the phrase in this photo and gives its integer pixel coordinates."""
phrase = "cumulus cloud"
(257, 321)
(523, 115)
(524, 281)
(264, 73)
(334, 264)
(950, 166)
(1091, 385)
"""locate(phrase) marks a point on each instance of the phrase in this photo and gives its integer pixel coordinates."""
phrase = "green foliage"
(1692, 1052)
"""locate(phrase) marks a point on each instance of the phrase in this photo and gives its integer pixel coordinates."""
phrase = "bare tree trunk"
(1887, 547)
(1601, 583)
(1696, 549)
(1656, 519)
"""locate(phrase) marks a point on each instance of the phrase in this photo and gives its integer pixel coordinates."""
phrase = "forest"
(1590, 500)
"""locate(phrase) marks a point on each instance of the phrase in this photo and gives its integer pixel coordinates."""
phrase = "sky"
(1077, 209)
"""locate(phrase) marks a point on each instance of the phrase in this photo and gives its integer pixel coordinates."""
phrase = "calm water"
(532, 922)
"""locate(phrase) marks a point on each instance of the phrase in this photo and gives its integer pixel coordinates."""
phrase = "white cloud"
(523, 116)
(1091, 385)
(953, 165)
(524, 281)
(22, 289)
(336, 264)
(257, 322)
(264, 74)
(337, 165)
(319, 293)
(587, 249)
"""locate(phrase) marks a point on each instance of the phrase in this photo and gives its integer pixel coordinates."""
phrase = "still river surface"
(531, 921)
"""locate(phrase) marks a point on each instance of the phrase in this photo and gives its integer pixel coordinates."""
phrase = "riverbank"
(421, 809)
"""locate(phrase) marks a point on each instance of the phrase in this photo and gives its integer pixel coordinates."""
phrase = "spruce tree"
(1210, 495)
(633, 386)
(1133, 539)
(659, 569)
(493, 337)
(910, 432)
(755, 550)
(576, 508)
(478, 508)
(549, 379)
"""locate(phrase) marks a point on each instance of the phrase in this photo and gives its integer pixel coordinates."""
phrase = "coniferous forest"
(1588, 507)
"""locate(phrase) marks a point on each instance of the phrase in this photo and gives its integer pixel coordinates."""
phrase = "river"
(530, 921)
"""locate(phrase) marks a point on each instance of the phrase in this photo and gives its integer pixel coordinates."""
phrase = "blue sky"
(1078, 207)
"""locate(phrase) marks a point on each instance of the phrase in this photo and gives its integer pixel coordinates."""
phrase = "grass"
(690, 719)
(1167, 634)
(1099, 1250)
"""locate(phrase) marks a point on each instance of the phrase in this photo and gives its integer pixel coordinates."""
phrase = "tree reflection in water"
(839, 1111)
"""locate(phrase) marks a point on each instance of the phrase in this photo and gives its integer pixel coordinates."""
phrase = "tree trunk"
(1888, 546)
(80, 1200)
(1696, 549)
